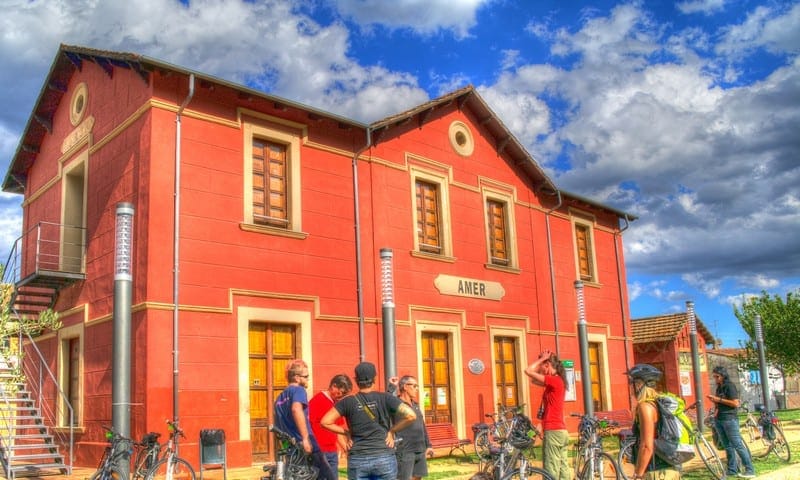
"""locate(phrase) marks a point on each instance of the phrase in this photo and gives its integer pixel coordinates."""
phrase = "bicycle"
(591, 461)
(508, 460)
(147, 453)
(170, 466)
(488, 436)
(769, 430)
(119, 450)
(291, 462)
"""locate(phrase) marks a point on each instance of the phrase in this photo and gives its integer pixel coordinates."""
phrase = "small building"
(258, 230)
(664, 342)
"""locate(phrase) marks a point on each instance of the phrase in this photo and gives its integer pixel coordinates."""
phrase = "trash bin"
(213, 451)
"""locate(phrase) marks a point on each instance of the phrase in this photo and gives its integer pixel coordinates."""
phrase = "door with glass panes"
(437, 393)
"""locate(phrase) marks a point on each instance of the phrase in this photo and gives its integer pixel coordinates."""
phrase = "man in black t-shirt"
(726, 424)
(373, 419)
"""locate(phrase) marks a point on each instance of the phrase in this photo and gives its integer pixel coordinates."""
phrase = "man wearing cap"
(374, 418)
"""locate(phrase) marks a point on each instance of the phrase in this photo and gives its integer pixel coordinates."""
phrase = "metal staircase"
(27, 447)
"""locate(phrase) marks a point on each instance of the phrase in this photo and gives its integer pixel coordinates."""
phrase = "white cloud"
(424, 17)
(706, 7)
(774, 30)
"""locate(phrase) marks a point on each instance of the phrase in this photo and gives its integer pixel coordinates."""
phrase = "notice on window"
(441, 396)
(570, 395)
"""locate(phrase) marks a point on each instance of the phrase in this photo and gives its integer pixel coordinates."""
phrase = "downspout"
(552, 268)
(175, 250)
(357, 227)
(619, 285)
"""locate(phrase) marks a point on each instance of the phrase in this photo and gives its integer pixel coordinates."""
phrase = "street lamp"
(121, 366)
(583, 346)
(762, 361)
(387, 312)
(698, 379)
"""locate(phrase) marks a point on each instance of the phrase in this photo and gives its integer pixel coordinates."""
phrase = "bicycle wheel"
(780, 446)
(108, 473)
(171, 469)
(481, 444)
(601, 466)
(709, 456)
(625, 460)
(579, 459)
(530, 472)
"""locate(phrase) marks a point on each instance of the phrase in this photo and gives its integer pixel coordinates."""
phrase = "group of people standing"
(383, 433)
(548, 371)
(385, 437)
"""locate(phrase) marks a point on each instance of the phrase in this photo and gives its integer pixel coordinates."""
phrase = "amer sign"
(469, 287)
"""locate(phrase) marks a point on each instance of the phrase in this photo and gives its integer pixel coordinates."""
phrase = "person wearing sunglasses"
(413, 446)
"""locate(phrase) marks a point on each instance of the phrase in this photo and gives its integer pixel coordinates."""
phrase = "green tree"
(780, 322)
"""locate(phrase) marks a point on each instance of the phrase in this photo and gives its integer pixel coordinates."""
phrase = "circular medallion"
(475, 366)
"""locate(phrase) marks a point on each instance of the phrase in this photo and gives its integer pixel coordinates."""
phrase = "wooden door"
(596, 379)
(505, 371)
(271, 347)
(437, 395)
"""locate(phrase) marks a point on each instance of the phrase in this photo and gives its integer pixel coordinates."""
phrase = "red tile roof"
(665, 328)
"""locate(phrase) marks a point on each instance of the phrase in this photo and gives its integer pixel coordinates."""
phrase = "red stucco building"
(274, 227)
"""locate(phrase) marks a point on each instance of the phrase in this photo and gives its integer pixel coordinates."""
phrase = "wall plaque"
(469, 287)
(475, 366)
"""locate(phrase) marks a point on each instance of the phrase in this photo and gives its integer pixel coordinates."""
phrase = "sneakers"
(747, 475)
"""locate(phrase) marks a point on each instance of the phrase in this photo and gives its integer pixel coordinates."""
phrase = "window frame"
(588, 225)
(291, 140)
(65, 336)
(445, 226)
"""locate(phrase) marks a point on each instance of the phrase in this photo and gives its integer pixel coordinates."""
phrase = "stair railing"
(40, 381)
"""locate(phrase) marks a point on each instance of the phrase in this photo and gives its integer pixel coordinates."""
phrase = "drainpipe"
(621, 302)
(357, 227)
(619, 285)
(175, 248)
(552, 268)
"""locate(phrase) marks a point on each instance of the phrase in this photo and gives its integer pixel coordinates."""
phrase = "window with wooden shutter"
(498, 234)
(428, 217)
(583, 244)
(505, 371)
(270, 184)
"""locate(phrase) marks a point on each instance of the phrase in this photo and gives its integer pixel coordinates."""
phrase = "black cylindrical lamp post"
(121, 358)
(387, 314)
(698, 377)
(583, 346)
(762, 361)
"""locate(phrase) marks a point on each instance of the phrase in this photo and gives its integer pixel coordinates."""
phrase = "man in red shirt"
(318, 406)
(548, 372)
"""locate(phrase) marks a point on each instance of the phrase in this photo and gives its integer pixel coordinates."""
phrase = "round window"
(461, 139)
(78, 104)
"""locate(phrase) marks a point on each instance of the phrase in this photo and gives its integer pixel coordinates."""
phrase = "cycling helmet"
(644, 372)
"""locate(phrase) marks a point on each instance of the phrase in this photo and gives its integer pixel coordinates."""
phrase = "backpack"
(673, 442)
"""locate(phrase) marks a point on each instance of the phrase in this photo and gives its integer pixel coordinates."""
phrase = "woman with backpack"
(643, 378)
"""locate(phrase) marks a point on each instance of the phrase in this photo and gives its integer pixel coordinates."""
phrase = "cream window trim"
(589, 226)
(246, 315)
(522, 361)
(65, 335)
(292, 141)
(445, 227)
(511, 228)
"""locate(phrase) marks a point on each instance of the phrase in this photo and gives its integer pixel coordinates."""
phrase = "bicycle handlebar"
(282, 435)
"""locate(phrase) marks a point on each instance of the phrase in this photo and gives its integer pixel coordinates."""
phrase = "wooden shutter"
(496, 219)
(270, 184)
(583, 241)
(505, 370)
(428, 226)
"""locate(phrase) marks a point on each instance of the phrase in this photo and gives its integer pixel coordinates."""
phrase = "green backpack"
(673, 442)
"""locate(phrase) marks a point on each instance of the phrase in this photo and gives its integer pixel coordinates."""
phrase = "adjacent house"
(258, 229)
(664, 341)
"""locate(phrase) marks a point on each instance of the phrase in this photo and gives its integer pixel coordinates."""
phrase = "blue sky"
(686, 114)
